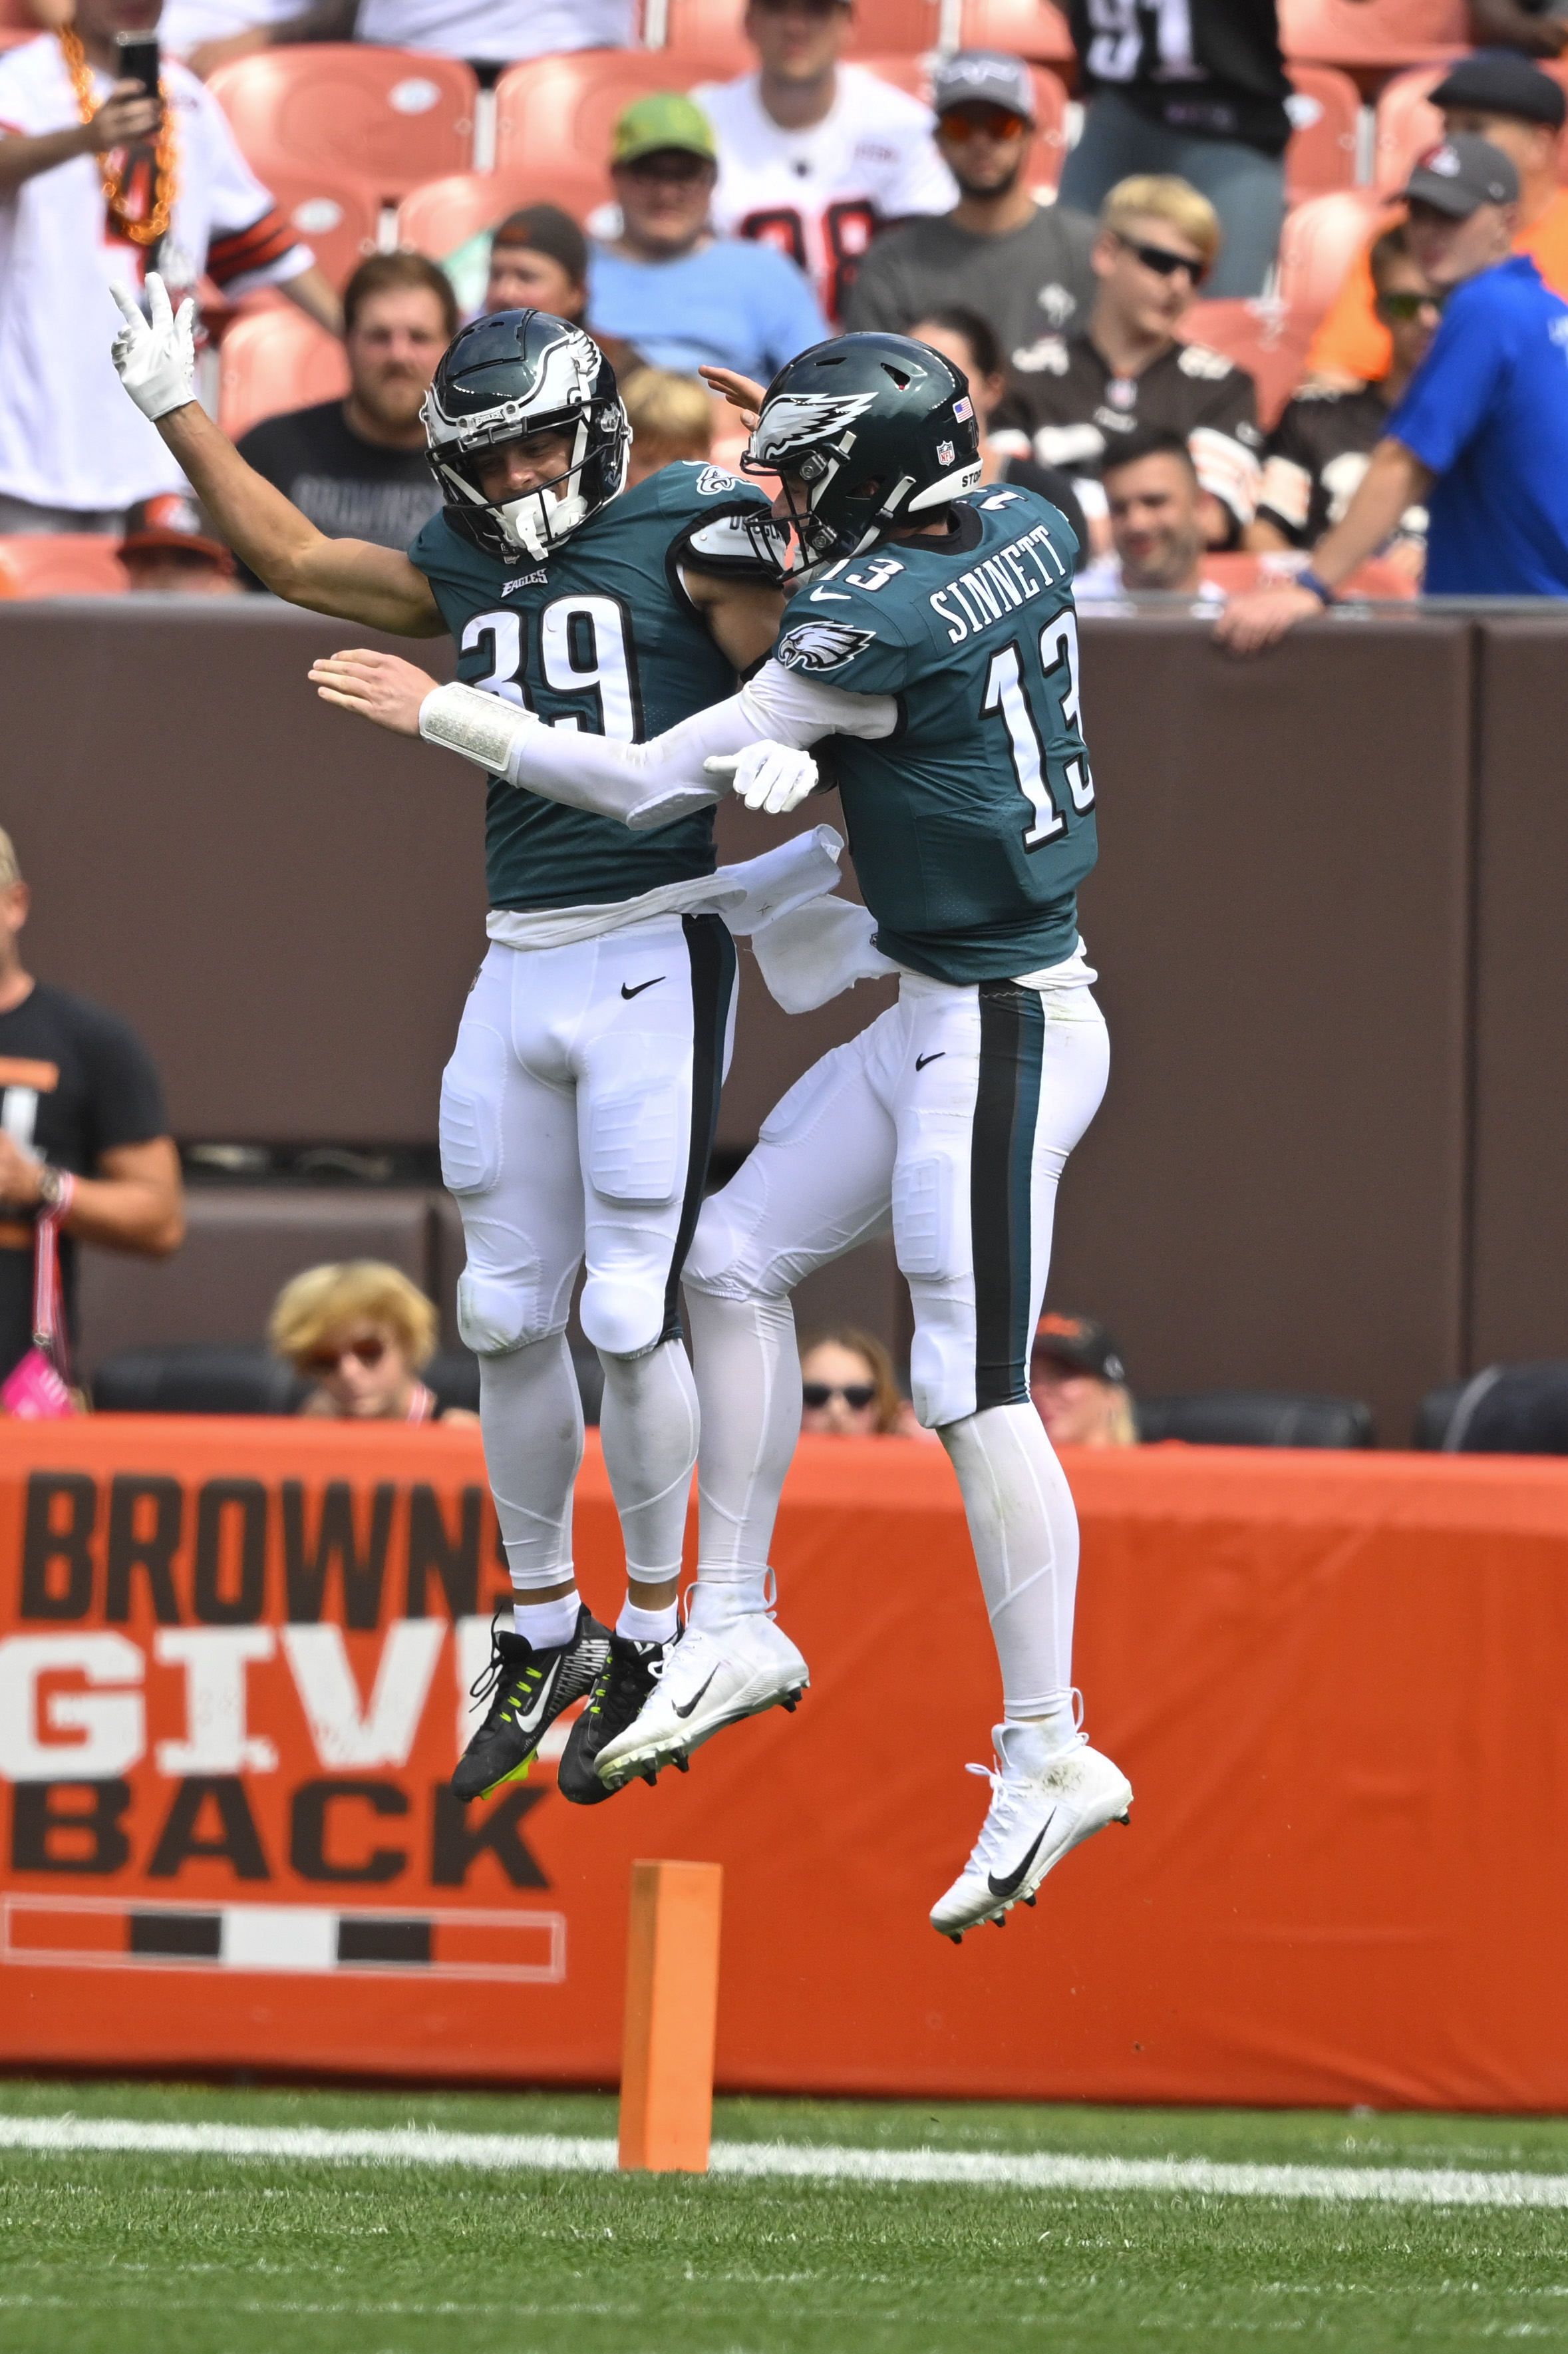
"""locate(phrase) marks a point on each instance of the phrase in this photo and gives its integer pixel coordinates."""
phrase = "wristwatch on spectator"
(53, 1186)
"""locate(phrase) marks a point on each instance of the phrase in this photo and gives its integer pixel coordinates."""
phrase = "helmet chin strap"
(538, 520)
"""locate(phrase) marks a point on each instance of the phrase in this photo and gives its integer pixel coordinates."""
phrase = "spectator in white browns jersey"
(814, 155)
(1074, 399)
(97, 184)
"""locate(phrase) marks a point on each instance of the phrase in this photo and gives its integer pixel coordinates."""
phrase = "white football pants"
(577, 1115)
(949, 1118)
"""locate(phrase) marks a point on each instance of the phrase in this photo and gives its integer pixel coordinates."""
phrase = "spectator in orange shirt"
(1500, 97)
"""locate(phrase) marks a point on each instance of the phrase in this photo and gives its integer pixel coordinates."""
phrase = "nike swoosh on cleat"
(921, 1060)
(693, 1702)
(642, 986)
(526, 1724)
(1014, 1881)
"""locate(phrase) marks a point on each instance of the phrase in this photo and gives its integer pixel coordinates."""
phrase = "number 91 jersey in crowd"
(972, 825)
(602, 636)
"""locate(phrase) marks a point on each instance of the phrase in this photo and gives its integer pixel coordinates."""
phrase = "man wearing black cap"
(1022, 267)
(1079, 1383)
(1481, 434)
(1497, 96)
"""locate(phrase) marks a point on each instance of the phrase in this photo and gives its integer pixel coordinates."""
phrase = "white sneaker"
(1044, 1802)
(707, 1680)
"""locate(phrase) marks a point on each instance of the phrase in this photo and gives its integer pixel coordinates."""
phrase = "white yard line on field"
(796, 2161)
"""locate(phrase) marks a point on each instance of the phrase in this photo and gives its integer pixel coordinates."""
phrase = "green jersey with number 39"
(972, 825)
(600, 636)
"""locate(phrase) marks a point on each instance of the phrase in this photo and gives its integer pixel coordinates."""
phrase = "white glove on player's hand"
(156, 357)
(773, 777)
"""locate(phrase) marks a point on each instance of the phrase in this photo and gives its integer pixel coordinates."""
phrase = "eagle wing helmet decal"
(817, 646)
(798, 420)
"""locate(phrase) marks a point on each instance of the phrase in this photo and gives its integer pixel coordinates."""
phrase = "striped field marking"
(795, 2161)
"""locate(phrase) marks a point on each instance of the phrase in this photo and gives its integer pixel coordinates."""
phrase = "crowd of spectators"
(752, 216)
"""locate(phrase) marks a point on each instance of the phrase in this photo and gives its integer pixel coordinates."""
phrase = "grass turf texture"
(140, 2255)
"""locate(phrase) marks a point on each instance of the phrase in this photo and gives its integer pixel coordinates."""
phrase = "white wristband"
(479, 726)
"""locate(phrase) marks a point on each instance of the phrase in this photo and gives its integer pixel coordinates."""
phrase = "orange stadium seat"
(711, 30)
(1265, 338)
(1030, 29)
(1325, 112)
(1406, 126)
(554, 115)
(1319, 243)
(1373, 34)
(337, 218)
(444, 213)
(389, 118)
(914, 75)
(272, 360)
(60, 564)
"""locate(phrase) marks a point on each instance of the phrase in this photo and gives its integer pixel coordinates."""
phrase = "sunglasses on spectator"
(369, 1349)
(966, 122)
(857, 1396)
(1163, 262)
(1407, 306)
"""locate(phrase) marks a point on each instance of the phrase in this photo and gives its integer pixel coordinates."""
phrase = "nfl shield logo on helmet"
(944, 454)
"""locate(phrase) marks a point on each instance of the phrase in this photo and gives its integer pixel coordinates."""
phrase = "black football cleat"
(527, 1689)
(624, 1682)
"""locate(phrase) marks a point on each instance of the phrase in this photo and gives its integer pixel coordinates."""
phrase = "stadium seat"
(1265, 338)
(444, 213)
(1255, 1419)
(1434, 1413)
(338, 218)
(710, 29)
(197, 1378)
(1319, 243)
(390, 118)
(1325, 112)
(60, 564)
(1372, 35)
(1511, 1410)
(914, 74)
(1030, 29)
(554, 116)
(1406, 126)
(272, 360)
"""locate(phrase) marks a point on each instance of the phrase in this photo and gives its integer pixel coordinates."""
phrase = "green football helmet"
(870, 431)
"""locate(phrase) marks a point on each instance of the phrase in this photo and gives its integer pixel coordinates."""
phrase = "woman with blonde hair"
(848, 1389)
(362, 1331)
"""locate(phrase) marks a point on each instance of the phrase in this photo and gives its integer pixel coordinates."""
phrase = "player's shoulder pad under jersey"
(449, 560)
(709, 506)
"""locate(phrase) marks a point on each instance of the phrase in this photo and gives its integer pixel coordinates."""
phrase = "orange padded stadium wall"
(1334, 1680)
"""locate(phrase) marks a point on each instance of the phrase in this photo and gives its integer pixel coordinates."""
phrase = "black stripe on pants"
(1001, 1157)
(712, 953)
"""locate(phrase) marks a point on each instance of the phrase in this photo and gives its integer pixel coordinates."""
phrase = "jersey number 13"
(1005, 691)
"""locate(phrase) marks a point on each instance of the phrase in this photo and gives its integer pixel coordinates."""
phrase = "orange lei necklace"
(154, 223)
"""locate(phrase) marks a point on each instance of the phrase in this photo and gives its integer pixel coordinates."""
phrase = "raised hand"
(155, 357)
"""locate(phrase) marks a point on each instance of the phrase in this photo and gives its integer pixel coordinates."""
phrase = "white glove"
(156, 358)
(773, 777)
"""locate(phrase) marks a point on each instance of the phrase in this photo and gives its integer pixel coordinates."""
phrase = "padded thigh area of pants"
(471, 1087)
(636, 1140)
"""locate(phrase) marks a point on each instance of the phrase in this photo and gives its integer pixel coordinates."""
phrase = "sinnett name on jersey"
(997, 586)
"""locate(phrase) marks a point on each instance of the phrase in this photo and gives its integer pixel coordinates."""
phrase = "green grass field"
(159, 2255)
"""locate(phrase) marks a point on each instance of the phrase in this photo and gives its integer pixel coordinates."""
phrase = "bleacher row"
(370, 148)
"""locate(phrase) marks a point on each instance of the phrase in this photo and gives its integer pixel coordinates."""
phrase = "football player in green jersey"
(578, 1107)
(932, 637)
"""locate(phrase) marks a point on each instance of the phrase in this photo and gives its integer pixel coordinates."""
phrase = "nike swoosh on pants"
(642, 986)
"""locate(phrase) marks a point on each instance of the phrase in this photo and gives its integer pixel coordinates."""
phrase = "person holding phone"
(113, 161)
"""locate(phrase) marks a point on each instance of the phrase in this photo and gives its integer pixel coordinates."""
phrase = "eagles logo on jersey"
(817, 646)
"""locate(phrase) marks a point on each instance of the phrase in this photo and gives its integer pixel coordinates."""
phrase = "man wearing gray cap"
(1481, 435)
(1022, 266)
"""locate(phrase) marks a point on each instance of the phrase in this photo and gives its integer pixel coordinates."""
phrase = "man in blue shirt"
(1481, 435)
(685, 298)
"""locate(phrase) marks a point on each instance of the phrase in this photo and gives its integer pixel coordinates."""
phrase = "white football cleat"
(708, 1680)
(1044, 1802)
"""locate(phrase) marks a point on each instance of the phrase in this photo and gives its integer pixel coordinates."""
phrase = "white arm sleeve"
(646, 785)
